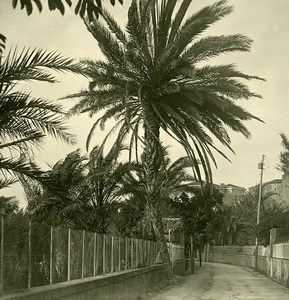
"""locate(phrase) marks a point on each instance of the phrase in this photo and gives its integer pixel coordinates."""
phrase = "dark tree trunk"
(153, 161)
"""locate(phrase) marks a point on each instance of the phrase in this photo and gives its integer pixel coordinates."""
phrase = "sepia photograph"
(144, 149)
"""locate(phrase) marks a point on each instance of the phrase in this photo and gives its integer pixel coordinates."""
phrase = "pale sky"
(264, 21)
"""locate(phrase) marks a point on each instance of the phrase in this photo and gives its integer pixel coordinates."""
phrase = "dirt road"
(224, 282)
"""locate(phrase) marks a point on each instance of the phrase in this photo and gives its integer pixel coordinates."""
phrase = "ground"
(223, 282)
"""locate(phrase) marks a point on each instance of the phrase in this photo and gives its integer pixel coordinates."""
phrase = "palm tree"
(173, 179)
(155, 77)
(83, 192)
(24, 120)
(284, 155)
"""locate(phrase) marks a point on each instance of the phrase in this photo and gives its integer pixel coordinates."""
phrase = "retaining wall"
(133, 284)
(275, 268)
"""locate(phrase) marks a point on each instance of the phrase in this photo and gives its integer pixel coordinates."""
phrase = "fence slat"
(94, 253)
(131, 254)
(2, 255)
(103, 255)
(68, 255)
(126, 253)
(112, 255)
(29, 255)
(51, 256)
(119, 254)
(82, 255)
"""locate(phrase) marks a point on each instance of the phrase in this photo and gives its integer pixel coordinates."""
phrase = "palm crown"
(156, 73)
(25, 120)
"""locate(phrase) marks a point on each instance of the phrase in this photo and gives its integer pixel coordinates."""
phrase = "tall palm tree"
(155, 77)
(25, 120)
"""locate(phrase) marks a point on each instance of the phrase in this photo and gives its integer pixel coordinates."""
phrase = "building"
(231, 192)
(274, 186)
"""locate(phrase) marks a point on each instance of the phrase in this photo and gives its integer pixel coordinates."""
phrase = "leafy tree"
(25, 120)
(239, 220)
(155, 78)
(89, 8)
(235, 229)
(201, 213)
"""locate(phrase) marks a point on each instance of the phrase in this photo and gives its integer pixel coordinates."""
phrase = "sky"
(264, 21)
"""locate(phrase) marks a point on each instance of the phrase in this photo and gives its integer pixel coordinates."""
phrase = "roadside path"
(223, 282)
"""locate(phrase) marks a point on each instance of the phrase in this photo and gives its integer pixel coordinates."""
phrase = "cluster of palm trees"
(155, 78)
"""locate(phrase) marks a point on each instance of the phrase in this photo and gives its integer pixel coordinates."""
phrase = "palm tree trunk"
(152, 166)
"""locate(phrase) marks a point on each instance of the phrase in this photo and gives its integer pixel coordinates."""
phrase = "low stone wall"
(275, 268)
(133, 284)
(179, 267)
(233, 259)
(280, 270)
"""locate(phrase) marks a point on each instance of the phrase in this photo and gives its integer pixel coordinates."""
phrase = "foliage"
(83, 192)
(157, 64)
(201, 213)
(8, 205)
(239, 220)
(284, 155)
(25, 120)
(155, 77)
(89, 8)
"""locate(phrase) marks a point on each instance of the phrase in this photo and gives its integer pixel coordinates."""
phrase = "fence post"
(119, 254)
(82, 256)
(2, 255)
(136, 253)
(29, 254)
(94, 253)
(192, 256)
(273, 236)
(68, 254)
(131, 254)
(103, 255)
(126, 253)
(112, 256)
(51, 256)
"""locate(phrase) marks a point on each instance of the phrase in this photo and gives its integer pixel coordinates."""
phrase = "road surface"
(223, 282)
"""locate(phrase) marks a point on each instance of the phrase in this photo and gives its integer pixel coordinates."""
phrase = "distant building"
(273, 186)
(285, 188)
(231, 192)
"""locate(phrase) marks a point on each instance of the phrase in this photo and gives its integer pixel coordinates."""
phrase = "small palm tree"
(82, 191)
(24, 120)
(156, 77)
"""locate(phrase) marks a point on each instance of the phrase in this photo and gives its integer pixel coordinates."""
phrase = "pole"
(260, 166)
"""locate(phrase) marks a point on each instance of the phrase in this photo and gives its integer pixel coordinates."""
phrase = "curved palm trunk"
(152, 167)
